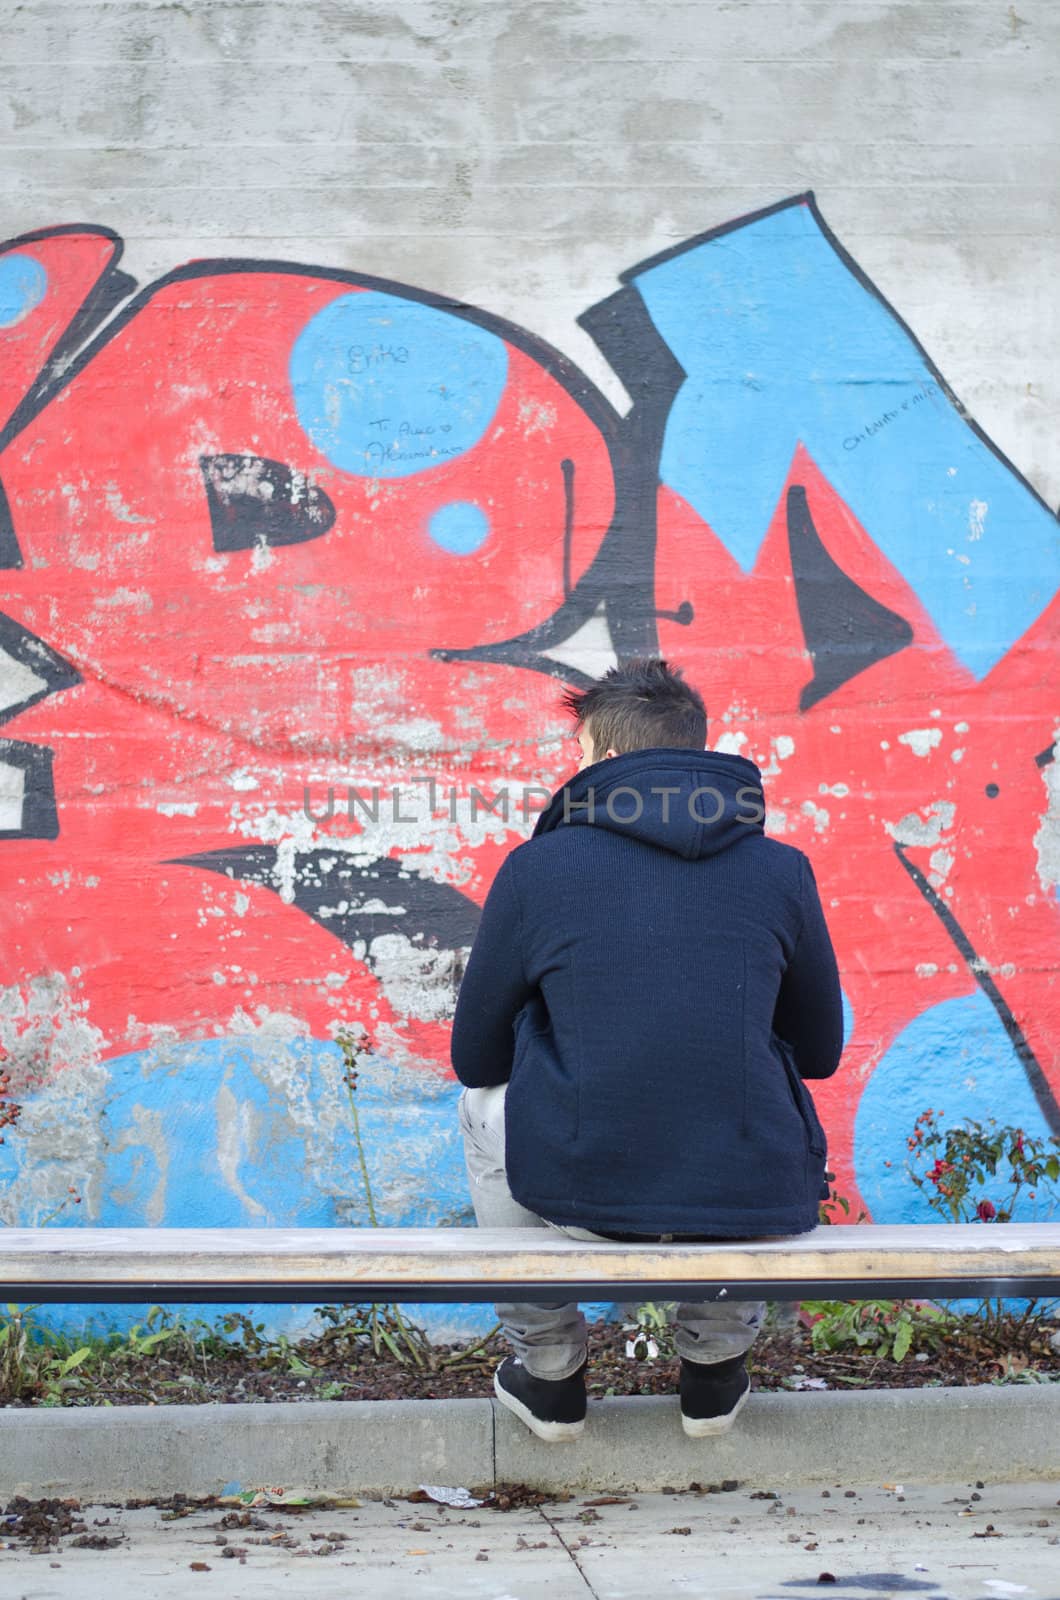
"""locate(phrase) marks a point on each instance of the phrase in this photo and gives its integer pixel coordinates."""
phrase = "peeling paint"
(941, 862)
(236, 1138)
(821, 816)
(536, 418)
(417, 982)
(1047, 838)
(977, 511)
(919, 830)
(921, 740)
(117, 507)
(137, 600)
(12, 796)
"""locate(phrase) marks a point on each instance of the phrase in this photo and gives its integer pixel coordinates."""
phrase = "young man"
(651, 981)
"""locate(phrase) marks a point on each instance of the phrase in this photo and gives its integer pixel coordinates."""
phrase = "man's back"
(670, 976)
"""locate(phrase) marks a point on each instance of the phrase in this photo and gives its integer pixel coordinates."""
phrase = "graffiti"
(255, 502)
(269, 530)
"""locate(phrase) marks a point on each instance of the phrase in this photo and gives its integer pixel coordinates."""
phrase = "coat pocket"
(803, 1100)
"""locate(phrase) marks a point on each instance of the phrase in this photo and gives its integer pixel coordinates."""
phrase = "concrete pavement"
(998, 1542)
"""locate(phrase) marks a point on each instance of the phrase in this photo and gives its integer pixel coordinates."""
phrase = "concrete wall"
(275, 521)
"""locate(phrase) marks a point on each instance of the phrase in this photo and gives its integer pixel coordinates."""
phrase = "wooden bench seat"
(335, 1265)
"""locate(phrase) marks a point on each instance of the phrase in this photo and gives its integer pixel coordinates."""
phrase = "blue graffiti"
(386, 387)
(23, 284)
(239, 1133)
(782, 342)
(461, 527)
(956, 1059)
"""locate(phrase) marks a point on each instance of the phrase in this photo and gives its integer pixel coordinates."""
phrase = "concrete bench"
(351, 1265)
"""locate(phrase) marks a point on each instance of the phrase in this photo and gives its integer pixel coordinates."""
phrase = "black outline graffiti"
(566, 466)
(324, 879)
(10, 554)
(109, 289)
(621, 576)
(40, 817)
(524, 650)
(845, 629)
(633, 347)
(39, 658)
(254, 501)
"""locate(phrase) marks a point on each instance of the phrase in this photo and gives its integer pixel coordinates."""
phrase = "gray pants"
(550, 1339)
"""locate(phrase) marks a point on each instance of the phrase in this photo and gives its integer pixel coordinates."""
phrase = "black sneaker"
(712, 1395)
(554, 1409)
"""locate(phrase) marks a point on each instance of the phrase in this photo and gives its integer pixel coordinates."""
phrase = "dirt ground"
(337, 1365)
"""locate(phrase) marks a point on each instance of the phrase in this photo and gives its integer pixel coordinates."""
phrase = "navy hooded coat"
(653, 978)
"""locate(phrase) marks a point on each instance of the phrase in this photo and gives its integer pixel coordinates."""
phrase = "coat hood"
(692, 802)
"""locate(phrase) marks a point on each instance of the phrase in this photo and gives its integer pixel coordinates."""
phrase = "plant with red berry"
(972, 1157)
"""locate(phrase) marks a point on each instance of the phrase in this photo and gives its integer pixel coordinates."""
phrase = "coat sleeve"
(494, 990)
(809, 1010)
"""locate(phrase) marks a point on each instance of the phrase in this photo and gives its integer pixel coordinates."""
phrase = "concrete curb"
(781, 1440)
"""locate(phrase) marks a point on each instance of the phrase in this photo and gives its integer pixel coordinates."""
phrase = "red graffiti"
(268, 657)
